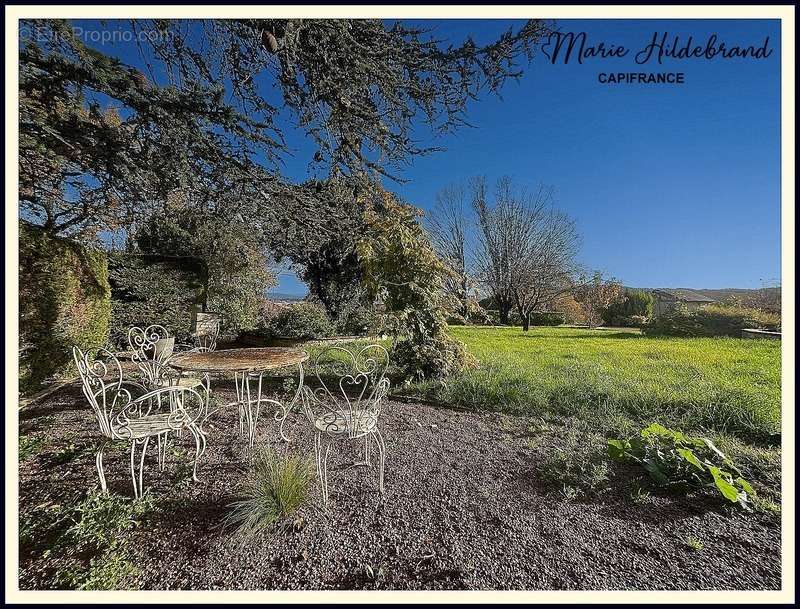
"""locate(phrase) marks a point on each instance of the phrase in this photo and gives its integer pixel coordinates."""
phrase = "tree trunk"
(465, 299)
(503, 310)
(526, 321)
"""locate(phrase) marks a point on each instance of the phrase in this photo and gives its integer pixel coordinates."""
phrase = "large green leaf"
(617, 449)
(655, 471)
(687, 454)
(726, 488)
(745, 485)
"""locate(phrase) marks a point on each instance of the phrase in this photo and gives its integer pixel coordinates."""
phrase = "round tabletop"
(238, 360)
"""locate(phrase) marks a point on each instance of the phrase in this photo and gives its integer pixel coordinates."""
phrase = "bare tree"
(450, 225)
(527, 248)
(594, 293)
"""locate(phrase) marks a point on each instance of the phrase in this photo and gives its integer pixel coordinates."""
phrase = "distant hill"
(284, 297)
(742, 293)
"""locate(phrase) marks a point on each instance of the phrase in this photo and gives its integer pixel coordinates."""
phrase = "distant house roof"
(682, 295)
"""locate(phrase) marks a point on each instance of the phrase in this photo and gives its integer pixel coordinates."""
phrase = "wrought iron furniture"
(346, 403)
(154, 413)
(206, 331)
(247, 365)
(151, 348)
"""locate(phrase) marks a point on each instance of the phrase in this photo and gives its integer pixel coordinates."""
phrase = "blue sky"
(670, 185)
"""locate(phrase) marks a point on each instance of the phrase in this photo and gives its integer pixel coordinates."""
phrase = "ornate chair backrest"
(151, 348)
(206, 335)
(350, 386)
(102, 386)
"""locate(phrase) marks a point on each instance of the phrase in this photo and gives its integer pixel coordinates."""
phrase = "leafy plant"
(680, 462)
(92, 543)
(106, 572)
(639, 495)
(403, 272)
(694, 543)
(99, 521)
(570, 493)
(274, 489)
(67, 453)
(29, 446)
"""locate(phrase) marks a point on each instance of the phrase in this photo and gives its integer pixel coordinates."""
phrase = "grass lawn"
(621, 380)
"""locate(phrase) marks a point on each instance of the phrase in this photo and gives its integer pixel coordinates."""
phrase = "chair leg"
(257, 409)
(381, 456)
(207, 405)
(367, 462)
(200, 448)
(162, 439)
(240, 400)
(133, 469)
(99, 463)
(141, 465)
(322, 464)
(283, 416)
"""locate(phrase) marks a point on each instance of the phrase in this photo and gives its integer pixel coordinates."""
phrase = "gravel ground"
(464, 509)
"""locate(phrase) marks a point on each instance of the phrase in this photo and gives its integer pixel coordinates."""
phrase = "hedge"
(64, 300)
(152, 289)
(711, 320)
(300, 320)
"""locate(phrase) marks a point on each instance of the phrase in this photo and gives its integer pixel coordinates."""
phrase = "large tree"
(403, 272)
(595, 292)
(102, 141)
(207, 115)
(527, 248)
(451, 228)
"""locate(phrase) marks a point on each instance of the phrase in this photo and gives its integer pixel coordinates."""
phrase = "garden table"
(246, 365)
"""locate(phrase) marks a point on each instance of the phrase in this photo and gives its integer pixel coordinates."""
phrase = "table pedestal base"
(249, 401)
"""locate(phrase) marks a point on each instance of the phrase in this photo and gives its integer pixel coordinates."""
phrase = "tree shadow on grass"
(582, 334)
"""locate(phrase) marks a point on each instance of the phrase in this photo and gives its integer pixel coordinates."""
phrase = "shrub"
(150, 289)
(64, 300)
(274, 489)
(633, 321)
(569, 308)
(237, 270)
(301, 320)
(430, 357)
(546, 318)
(476, 314)
(625, 312)
(360, 319)
(712, 320)
(403, 272)
(683, 463)
(92, 543)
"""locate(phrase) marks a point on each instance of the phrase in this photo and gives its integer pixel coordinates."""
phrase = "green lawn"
(618, 380)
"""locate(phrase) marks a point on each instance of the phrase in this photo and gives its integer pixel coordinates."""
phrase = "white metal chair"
(152, 347)
(206, 332)
(346, 403)
(122, 417)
